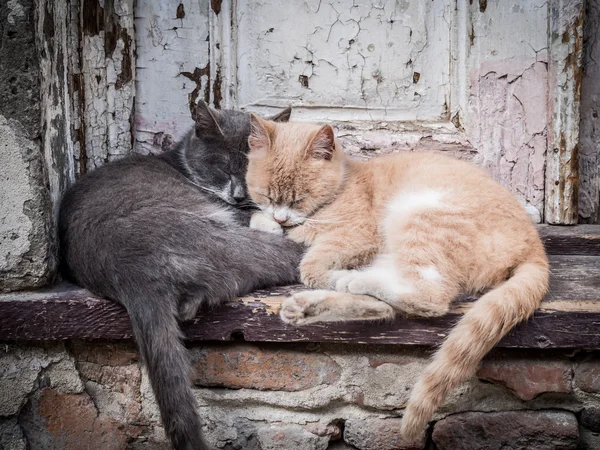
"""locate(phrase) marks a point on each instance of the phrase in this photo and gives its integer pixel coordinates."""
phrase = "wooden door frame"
(565, 70)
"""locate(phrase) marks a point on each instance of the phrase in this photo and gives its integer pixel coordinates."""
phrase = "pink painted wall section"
(507, 108)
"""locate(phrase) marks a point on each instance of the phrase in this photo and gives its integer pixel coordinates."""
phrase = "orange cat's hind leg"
(411, 289)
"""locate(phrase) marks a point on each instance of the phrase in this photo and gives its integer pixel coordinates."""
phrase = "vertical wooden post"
(589, 132)
(565, 44)
(87, 59)
(222, 25)
(54, 47)
(108, 78)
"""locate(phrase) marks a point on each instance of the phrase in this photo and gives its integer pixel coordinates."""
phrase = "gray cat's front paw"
(263, 222)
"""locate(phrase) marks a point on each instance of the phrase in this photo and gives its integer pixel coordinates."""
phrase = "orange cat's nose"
(281, 214)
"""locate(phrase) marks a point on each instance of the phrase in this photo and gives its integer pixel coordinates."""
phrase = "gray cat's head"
(214, 155)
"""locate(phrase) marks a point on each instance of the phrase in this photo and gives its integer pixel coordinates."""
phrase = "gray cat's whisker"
(207, 189)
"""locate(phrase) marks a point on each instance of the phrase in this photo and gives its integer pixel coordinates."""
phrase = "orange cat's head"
(294, 169)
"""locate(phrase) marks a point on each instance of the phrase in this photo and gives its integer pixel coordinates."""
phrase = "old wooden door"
(491, 81)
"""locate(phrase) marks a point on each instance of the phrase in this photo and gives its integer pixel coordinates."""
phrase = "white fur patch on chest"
(430, 273)
(407, 203)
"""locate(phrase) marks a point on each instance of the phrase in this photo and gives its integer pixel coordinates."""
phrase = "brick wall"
(303, 397)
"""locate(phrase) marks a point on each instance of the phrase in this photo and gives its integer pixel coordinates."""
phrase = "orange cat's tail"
(480, 329)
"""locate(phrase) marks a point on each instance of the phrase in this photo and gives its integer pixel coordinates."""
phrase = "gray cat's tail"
(159, 341)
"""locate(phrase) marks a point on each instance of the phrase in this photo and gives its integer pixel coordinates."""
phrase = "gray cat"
(163, 235)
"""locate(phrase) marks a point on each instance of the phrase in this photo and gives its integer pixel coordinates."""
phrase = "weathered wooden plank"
(53, 39)
(547, 329)
(565, 44)
(574, 278)
(589, 133)
(569, 318)
(571, 240)
(81, 316)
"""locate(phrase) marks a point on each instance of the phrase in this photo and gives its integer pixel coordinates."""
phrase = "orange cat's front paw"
(302, 308)
(339, 279)
(291, 311)
(263, 222)
(313, 274)
(309, 280)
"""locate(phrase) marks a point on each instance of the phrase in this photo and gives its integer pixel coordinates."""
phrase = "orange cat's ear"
(323, 144)
(260, 135)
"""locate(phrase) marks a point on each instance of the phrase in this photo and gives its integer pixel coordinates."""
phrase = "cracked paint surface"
(506, 112)
(389, 57)
(395, 76)
(108, 86)
(172, 63)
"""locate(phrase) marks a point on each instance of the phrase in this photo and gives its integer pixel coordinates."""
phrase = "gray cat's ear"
(259, 140)
(282, 116)
(206, 119)
(323, 144)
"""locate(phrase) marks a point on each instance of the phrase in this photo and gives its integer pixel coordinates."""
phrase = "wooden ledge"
(569, 317)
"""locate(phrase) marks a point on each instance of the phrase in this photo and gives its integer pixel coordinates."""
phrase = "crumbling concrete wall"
(25, 245)
(82, 395)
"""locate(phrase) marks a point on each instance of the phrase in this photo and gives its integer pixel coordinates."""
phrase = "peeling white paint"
(368, 139)
(348, 60)
(108, 100)
(57, 140)
(166, 48)
(93, 63)
(466, 78)
(120, 93)
(506, 112)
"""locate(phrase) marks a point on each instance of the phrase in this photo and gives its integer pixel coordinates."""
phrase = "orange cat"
(401, 234)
